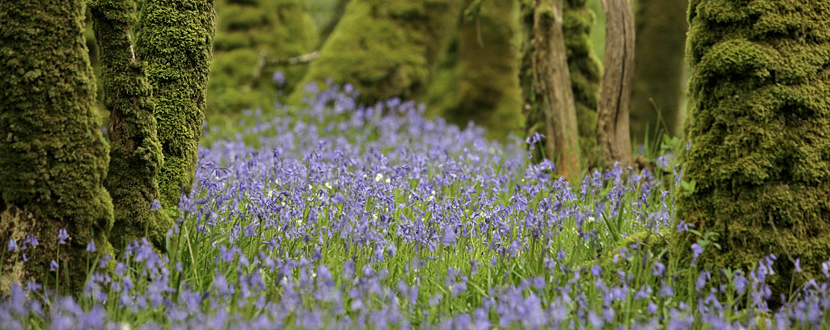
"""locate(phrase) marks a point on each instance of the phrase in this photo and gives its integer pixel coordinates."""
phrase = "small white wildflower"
(378, 177)
(328, 185)
(124, 326)
(387, 180)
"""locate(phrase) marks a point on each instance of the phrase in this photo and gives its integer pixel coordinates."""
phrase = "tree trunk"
(487, 71)
(135, 151)
(53, 156)
(658, 67)
(760, 149)
(613, 136)
(249, 33)
(174, 38)
(386, 48)
(585, 70)
(546, 85)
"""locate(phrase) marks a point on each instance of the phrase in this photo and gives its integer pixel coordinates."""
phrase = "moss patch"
(248, 31)
(385, 48)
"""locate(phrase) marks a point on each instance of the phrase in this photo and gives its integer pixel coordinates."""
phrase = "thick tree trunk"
(53, 156)
(585, 70)
(386, 48)
(135, 152)
(613, 136)
(174, 38)
(248, 34)
(658, 67)
(546, 85)
(760, 149)
(487, 70)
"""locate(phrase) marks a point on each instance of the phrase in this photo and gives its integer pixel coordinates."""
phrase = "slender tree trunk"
(135, 152)
(174, 38)
(546, 84)
(658, 85)
(585, 70)
(488, 90)
(53, 156)
(760, 149)
(613, 136)
(386, 48)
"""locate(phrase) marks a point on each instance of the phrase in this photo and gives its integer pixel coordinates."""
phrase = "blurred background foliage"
(459, 57)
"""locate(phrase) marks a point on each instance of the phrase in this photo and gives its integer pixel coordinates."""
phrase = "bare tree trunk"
(549, 100)
(613, 138)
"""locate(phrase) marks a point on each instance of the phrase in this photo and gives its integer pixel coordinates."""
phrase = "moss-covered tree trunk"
(174, 38)
(250, 36)
(760, 149)
(585, 71)
(385, 48)
(549, 105)
(53, 156)
(658, 68)
(488, 90)
(135, 151)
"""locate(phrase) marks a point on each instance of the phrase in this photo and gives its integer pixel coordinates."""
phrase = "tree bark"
(174, 38)
(385, 49)
(613, 136)
(658, 87)
(53, 155)
(760, 149)
(135, 152)
(549, 103)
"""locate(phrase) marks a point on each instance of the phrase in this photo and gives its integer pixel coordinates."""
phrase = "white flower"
(378, 177)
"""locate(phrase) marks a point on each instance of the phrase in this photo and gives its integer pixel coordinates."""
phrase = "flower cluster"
(346, 216)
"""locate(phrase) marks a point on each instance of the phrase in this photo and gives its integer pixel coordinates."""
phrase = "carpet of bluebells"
(341, 216)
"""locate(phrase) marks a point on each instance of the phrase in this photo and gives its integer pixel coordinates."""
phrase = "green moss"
(585, 70)
(53, 154)
(135, 152)
(174, 39)
(760, 153)
(658, 68)
(485, 88)
(247, 31)
(385, 48)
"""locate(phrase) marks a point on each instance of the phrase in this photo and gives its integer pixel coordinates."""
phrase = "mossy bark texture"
(135, 152)
(249, 35)
(385, 48)
(549, 105)
(174, 38)
(658, 67)
(488, 90)
(53, 155)
(760, 149)
(585, 71)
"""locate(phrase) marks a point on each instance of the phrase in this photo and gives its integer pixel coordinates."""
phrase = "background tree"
(481, 80)
(135, 152)
(760, 152)
(250, 35)
(585, 71)
(54, 156)
(658, 84)
(612, 130)
(174, 38)
(385, 48)
(546, 87)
